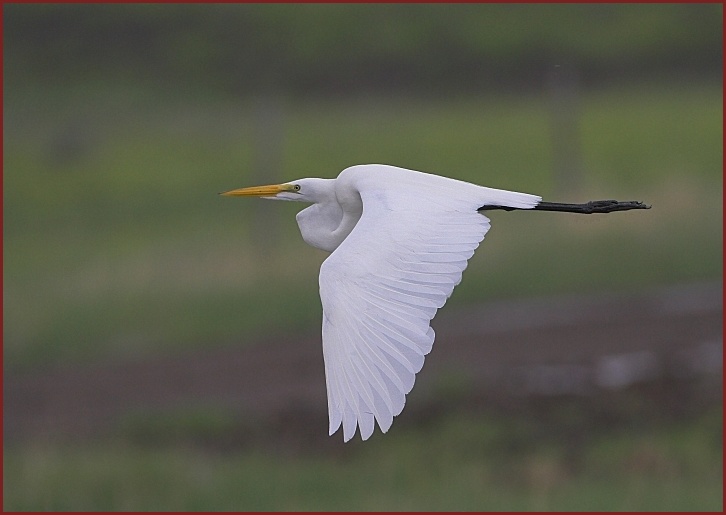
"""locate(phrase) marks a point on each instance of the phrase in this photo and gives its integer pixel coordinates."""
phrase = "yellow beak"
(258, 191)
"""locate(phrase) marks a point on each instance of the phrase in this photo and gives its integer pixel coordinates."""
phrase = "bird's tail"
(509, 199)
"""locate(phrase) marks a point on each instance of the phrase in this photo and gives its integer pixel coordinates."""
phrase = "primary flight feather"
(400, 240)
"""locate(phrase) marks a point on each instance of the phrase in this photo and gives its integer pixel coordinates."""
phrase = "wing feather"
(384, 283)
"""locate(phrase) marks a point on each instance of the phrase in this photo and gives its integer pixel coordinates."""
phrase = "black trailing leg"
(594, 206)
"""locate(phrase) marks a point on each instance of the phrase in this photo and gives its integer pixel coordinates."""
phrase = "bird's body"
(338, 203)
(400, 240)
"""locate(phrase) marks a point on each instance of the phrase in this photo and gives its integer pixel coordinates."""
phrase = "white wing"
(382, 286)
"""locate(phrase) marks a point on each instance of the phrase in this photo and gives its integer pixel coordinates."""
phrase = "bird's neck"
(328, 222)
(352, 206)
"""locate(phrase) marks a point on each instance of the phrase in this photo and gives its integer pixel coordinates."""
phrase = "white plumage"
(400, 240)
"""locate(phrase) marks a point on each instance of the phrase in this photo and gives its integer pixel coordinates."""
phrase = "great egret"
(400, 240)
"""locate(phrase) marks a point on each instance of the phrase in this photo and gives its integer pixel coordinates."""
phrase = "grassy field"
(116, 244)
(459, 463)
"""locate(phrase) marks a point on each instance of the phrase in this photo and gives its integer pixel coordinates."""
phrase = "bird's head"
(302, 190)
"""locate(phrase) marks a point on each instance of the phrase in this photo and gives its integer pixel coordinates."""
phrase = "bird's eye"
(295, 187)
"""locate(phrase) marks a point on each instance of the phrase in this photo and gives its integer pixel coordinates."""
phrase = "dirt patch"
(499, 354)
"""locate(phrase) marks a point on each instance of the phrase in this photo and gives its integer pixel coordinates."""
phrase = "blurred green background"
(122, 122)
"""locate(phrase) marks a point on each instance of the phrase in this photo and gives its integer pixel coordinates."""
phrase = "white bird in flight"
(400, 240)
